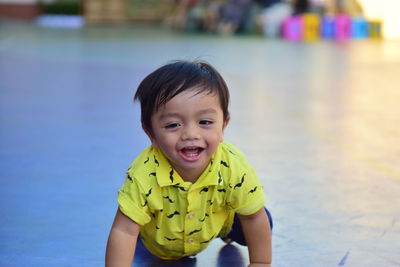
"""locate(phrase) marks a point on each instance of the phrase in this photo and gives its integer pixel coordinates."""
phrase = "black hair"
(163, 84)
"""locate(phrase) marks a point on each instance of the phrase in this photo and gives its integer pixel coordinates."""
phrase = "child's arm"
(121, 241)
(257, 232)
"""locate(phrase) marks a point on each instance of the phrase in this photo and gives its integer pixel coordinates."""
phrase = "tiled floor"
(320, 122)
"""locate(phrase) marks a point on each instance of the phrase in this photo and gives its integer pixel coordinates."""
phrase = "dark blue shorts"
(236, 234)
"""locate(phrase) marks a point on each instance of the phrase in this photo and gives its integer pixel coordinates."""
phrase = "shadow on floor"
(229, 255)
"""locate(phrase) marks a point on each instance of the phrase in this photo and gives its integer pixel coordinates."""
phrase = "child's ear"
(226, 122)
(151, 136)
(224, 125)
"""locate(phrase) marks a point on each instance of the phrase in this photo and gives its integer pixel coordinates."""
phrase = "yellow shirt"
(179, 218)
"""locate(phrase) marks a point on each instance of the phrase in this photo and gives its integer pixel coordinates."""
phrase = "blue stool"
(328, 27)
(359, 28)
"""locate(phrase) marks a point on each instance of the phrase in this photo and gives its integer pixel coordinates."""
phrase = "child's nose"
(190, 132)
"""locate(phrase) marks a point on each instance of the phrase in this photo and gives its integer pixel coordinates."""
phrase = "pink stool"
(292, 28)
(342, 27)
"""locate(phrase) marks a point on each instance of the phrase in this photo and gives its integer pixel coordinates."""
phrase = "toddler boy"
(189, 186)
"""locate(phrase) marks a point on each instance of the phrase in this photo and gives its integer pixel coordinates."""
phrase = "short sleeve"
(246, 194)
(132, 202)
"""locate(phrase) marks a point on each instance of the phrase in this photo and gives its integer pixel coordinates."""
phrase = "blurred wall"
(18, 1)
(19, 9)
(386, 10)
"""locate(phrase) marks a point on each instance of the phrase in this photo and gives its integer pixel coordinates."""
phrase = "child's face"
(188, 129)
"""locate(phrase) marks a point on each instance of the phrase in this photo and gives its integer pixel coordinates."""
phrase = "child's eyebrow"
(169, 115)
(207, 111)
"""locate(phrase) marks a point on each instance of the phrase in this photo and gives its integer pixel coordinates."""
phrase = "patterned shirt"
(179, 218)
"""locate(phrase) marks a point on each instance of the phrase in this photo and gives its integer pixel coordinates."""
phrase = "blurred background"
(218, 16)
(314, 103)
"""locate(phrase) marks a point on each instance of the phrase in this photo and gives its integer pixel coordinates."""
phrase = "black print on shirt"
(129, 177)
(253, 190)
(145, 204)
(221, 190)
(193, 232)
(219, 177)
(152, 174)
(147, 160)
(149, 193)
(168, 198)
(205, 189)
(241, 182)
(173, 214)
(207, 241)
(180, 187)
(156, 161)
(171, 239)
(171, 175)
(224, 163)
(210, 202)
(205, 216)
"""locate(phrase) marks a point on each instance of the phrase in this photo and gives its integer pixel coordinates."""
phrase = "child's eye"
(172, 125)
(206, 122)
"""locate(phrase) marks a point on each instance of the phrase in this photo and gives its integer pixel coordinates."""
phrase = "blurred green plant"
(61, 7)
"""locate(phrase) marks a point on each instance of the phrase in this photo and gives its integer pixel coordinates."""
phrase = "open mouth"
(191, 153)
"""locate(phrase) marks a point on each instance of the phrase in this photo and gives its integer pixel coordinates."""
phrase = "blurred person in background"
(233, 15)
(317, 6)
(196, 15)
(350, 7)
(179, 15)
(273, 14)
(300, 7)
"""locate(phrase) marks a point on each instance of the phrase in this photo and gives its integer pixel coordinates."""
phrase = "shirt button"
(190, 240)
(191, 215)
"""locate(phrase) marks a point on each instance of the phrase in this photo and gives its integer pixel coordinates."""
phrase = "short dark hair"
(174, 78)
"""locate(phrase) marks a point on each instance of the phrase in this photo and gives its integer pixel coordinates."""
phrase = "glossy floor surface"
(320, 122)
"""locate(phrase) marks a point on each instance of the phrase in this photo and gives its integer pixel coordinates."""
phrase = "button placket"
(190, 223)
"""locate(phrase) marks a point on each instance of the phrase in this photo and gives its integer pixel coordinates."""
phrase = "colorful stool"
(375, 29)
(342, 27)
(359, 28)
(292, 28)
(328, 27)
(311, 25)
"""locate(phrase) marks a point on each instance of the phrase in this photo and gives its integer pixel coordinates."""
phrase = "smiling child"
(189, 186)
